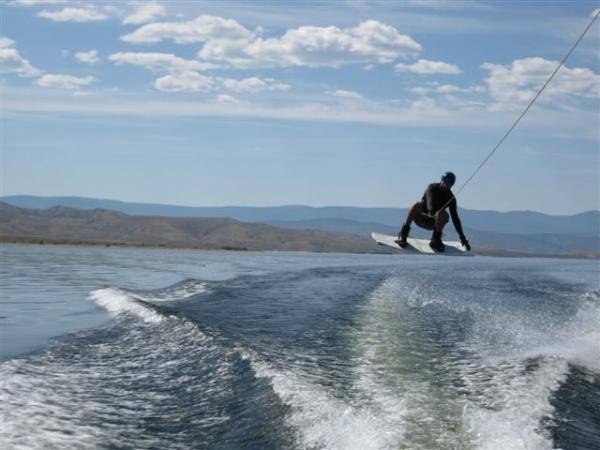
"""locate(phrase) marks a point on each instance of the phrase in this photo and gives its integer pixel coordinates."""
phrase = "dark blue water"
(234, 350)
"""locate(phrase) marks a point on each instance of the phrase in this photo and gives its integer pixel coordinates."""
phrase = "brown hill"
(104, 226)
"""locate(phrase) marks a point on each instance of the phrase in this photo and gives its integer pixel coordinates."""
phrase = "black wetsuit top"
(435, 197)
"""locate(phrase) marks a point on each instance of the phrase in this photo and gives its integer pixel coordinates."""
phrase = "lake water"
(149, 348)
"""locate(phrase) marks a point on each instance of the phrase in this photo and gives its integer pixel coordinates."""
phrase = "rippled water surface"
(145, 348)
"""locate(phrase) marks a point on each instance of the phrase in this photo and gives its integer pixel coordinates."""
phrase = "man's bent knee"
(417, 207)
(413, 213)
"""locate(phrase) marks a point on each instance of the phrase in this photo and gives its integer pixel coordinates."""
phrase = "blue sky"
(318, 103)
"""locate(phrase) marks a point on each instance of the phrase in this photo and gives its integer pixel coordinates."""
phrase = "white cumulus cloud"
(228, 43)
(255, 84)
(453, 89)
(510, 86)
(182, 74)
(64, 81)
(224, 98)
(81, 93)
(187, 81)
(158, 61)
(424, 104)
(345, 94)
(449, 89)
(6, 42)
(420, 90)
(12, 61)
(201, 29)
(447, 5)
(68, 14)
(425, 66)
(91, 57)
(145, 12)
(369, 42)
(37, 2)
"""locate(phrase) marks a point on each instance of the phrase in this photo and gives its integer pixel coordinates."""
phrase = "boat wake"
(328, 358)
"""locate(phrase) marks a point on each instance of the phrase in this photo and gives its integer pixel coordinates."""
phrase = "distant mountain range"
(520, 231)
(60, 224)
(518, 222)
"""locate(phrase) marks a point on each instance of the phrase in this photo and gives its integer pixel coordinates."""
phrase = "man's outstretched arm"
(458, 225)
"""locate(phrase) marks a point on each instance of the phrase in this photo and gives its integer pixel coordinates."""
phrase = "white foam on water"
(371, 416)
(512, 385)
(116, 302)
(578, 341)
(391, 406)
(582, 350)
(34, 409)
(510, 381)
(508, 403)
(180, 291)
(390, 374)
(322, 420)
(92, 398)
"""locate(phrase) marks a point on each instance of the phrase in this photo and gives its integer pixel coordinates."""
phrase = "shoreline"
(43, 241)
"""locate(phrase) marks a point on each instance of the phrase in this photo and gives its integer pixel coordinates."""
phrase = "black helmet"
(449, 178)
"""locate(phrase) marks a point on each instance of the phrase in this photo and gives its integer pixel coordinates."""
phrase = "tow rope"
(531, 102)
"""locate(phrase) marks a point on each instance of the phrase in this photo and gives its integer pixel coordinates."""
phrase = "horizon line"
(2, 197)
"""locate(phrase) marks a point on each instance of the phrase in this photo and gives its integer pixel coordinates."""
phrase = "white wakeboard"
(453, 248)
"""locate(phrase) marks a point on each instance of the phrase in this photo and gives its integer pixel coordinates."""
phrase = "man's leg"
(412, 215)
(441, 218)
(414, 211)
